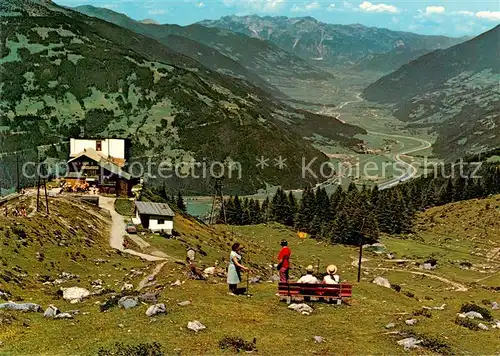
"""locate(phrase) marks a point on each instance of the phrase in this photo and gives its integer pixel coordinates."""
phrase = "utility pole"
(45, 189)
(17, 174)
(38, 188)
(217, 202)
(361, 240)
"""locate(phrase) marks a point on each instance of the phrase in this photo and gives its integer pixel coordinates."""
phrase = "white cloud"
(369, 7)
(430, 10)
(314, 5)
(257, 5)
(200, 4)
(489, 15)
(330, 7)
(157, 12)
(464, 13)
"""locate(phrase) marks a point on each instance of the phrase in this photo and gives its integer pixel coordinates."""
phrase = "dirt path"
(459, 287)
(151, 277)
(118, 231)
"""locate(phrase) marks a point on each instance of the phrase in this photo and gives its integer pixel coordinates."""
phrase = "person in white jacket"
(308, 277)
(331, 277)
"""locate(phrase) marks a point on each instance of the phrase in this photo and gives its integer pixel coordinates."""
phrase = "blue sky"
(452, 18)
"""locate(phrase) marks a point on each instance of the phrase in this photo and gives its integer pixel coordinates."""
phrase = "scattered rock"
(274, 278)
(381, 281)
(75, 294)
(176, 283)
(301, 308)
(462, 315)
(411, 321)
(149, 298)
(390, 326)
(209, 271)
(191, 254)
(97, 284)
(495, 305)
(473, 315)
(68, 276)
(50, 312)
(195, 326)
(254, 280)
(63, 316)
(184, 303)
(496, 324)
(409, 343)
(21, 306)
(318, 339)
(127, 287)
(482, 326)
(435, 308)
(156, 309)
(128, 302)
(4, 295)
(390, 256)
(428, 266)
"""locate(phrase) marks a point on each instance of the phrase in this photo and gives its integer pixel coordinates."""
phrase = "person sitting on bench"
(331, 277)
(308, 277)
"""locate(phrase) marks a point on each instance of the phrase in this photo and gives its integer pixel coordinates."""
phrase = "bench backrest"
(320, 289)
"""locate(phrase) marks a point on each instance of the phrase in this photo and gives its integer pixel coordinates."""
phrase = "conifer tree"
(305, 213)
(180, 203)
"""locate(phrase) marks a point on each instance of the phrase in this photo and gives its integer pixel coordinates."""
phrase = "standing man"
(284, 261)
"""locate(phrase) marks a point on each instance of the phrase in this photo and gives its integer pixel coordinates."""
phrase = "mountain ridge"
(329, 43)
(454, 91)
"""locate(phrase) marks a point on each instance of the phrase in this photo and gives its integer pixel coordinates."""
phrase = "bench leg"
(288, 300)
(339, 301)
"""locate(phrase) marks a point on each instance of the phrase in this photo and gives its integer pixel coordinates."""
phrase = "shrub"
(466, 323)
(467, 307)
(237, 344)
(423, 312)
(120, 349)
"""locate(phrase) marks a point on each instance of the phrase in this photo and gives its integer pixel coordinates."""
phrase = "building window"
(161, 221)
(98, 146)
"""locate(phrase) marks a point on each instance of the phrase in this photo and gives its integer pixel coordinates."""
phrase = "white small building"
(157, 217)
(110, 148)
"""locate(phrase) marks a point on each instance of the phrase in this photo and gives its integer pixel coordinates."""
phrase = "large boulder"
(381, 281)
(156, 309)
(128, 302)
(75, 294)
(195, 326)
(301, 308)
(63, 316)
(21, 306)
(50, 312)
(409, 343)
(473, 315)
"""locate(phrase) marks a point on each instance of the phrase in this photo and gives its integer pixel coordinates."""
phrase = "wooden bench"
(328, 292)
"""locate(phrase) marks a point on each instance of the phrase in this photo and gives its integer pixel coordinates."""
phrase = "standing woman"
(235, 267)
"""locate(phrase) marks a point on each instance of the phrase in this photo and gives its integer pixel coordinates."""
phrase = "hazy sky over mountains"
(452, 18)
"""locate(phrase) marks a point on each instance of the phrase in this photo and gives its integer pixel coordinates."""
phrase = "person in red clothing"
(284, 261)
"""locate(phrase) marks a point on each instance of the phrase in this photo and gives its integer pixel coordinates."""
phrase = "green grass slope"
(357, 327)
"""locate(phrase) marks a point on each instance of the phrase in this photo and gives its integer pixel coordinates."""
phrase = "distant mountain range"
(455, 91)
(64, 74)
(228, 52)
(328, 43)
